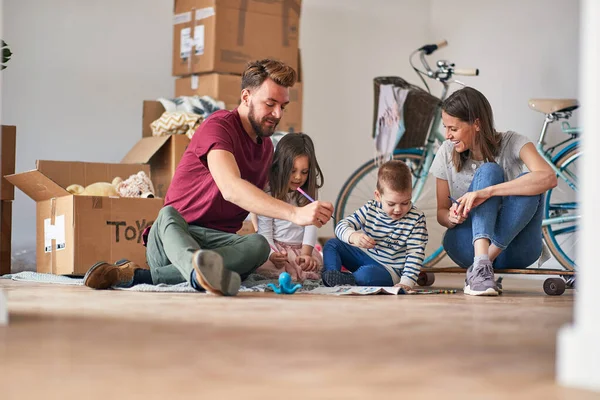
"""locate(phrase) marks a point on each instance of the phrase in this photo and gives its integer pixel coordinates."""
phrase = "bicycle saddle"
(549, 106)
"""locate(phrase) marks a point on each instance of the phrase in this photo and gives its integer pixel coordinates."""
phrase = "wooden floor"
(71, 342)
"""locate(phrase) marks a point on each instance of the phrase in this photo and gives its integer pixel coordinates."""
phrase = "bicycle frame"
(428, 150)
(551, 158)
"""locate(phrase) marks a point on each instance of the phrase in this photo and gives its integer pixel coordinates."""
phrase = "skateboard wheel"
(426, 278)
(554, 286)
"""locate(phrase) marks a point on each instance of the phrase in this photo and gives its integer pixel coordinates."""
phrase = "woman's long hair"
(470, 106)
(289, 147)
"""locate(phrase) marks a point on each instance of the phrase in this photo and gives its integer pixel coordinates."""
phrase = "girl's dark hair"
(470, 105)
(289, 147)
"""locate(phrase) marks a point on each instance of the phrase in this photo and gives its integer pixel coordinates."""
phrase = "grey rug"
(254, 283)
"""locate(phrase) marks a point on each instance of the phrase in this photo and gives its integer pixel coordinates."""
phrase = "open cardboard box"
(75, 232)
(161, 153)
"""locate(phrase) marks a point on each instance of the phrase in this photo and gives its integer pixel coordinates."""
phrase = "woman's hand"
(279, 259)
(360, 239)
(307, 263)
(454, 217)
(470, 200)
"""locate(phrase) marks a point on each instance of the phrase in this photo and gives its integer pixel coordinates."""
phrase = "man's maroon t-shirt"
(194, 193)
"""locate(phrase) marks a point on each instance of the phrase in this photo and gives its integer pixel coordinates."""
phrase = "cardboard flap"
(36, 185)
(152, 110)
(65, 173)
(144, 149)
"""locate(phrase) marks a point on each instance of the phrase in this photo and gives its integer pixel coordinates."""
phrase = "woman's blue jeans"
(513, 223)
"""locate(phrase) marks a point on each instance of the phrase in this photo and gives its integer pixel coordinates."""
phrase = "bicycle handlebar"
(466, 71)
(430, 48)
(444, 71)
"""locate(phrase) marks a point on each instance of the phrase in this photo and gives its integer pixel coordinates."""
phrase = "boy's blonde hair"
(395, 176)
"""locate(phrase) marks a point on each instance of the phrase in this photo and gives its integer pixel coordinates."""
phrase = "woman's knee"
(458, 250)
(488, 174)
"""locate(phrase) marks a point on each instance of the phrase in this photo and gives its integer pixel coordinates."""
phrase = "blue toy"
(285, 285)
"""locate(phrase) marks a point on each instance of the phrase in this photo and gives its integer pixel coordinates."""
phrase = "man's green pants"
(172, 243)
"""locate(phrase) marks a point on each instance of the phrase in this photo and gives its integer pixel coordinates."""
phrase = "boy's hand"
(406, 288)
(360, 239)
(279, 259)
(317, 213)
(307, 263)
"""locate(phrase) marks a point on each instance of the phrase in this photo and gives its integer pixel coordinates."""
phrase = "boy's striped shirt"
(400, 244)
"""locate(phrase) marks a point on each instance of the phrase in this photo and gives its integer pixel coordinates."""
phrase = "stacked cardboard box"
(213, 40)
(7, 194)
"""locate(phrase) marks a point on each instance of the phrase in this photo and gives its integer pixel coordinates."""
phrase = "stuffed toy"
(96, 189)
(137, 185)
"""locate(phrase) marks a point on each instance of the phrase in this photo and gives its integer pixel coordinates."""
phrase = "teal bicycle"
(561, 211)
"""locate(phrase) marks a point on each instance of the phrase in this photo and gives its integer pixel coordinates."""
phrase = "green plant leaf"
(6, 54)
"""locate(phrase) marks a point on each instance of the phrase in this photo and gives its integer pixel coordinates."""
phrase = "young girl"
(292, 246)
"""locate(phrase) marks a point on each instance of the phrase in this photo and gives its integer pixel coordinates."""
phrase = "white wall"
(524, 49)
(345, 44)
(75, 85)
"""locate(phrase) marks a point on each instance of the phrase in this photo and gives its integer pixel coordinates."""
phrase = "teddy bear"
(96, 189)
(137, 185)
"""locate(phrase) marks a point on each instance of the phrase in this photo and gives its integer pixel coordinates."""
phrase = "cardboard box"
(162, 153)
(224, 87)
(8, 142)
(224, 35)
(5, 236)
(227, 88)
(75, 232)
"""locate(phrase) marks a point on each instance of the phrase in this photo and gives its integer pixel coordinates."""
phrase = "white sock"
(480, 259)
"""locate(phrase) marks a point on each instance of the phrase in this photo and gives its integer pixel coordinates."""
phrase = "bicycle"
(560, 208)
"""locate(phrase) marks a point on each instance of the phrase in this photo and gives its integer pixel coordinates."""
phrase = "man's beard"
(259, 127)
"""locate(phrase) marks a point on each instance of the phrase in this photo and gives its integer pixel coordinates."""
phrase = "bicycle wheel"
(359, 189)
(561, 237)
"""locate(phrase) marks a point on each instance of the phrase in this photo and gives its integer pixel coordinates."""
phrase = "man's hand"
(360, 239)
(307, 263)
(317, 213)
(279, 259)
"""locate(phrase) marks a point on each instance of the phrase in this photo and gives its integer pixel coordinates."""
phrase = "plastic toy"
(285, 285)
